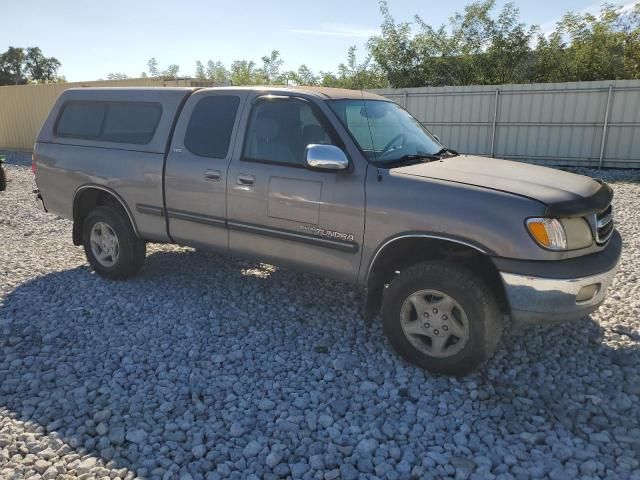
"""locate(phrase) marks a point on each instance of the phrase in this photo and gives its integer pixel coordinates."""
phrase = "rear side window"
(81, 120)
(116, 122)
(130, 122)
(210, 126)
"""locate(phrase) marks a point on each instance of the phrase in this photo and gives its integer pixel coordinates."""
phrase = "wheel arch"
(88, 196)
(410, 248)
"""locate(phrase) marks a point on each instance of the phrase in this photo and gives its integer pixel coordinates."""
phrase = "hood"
(547, 185)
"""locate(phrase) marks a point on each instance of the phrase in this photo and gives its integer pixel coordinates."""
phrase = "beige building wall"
(24, 108)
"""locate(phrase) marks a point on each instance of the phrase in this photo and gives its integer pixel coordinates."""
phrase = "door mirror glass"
(326, 157)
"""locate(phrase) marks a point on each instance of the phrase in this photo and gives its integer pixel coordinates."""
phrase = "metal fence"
(24, 108)
(564, 124)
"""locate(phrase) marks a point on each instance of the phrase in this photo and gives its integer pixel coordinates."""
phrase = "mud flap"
(373, 299)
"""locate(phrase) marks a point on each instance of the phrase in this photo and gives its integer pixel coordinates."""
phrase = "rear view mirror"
(326, 157)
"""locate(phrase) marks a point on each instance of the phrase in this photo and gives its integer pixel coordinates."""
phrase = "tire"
(468, 312)
(127, 253)
(3, 179)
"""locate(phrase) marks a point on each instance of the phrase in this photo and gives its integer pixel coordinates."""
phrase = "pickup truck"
(341, 183)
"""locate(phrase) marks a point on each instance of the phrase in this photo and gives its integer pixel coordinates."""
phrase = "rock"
(266, 404)
(252, 449)
(366, 447)
(117, 435)
(41, 465)
(348, 472)
(199, 451)
(298, 469)
(102, 428)
(86, 466)
(136, 435)
(325, 420)
(274, 458)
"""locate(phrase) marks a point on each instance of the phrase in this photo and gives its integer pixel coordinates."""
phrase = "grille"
(604, 225)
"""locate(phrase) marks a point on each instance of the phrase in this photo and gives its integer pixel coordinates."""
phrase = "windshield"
(385, 132)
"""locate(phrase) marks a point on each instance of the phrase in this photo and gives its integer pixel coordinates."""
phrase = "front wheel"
(441, 317)
(110, 244)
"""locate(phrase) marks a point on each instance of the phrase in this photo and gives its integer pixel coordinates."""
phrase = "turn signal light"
(548, 232)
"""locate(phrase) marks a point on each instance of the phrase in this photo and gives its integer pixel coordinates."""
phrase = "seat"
(269, 144)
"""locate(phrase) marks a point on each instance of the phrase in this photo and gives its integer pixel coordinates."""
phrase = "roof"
(340, 93)
(322, 92)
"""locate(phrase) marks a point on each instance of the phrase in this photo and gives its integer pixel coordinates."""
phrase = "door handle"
(212, 175)
(244, 179)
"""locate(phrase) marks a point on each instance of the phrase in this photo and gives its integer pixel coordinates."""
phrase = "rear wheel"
(110, 244)
(441, 317)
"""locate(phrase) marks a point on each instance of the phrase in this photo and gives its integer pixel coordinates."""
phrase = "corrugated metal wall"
(24, 108)
(563, 124)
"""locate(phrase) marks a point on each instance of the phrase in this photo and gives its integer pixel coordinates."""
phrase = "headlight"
(560, 234)
(578, 232)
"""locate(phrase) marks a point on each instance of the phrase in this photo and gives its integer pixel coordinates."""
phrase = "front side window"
(211, 125)
(384, 131)
(117, 122)
(281, 128)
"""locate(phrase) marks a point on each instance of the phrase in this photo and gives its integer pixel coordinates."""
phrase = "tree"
(12, 67)
(476, 47)
(271, 66)
(306, 76)
(171, 72)
(200, 74)
(40, 69)
(243, 73)
(396, 51)
(152, 66)
(359, 76)
(606, 46)
(19, 66)
(217, 73)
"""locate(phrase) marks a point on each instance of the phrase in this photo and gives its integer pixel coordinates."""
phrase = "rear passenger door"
(195, 176)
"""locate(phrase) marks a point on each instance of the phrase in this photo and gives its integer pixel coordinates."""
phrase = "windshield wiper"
(444, 150)
(407, 160)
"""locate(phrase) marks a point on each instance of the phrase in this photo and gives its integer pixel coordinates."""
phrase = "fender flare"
(111, 192)
(432, 236)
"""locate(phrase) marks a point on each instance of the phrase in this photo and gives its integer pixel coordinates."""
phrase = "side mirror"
(326, 157)
(437, 138)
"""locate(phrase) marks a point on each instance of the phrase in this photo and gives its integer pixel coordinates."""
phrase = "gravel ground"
(212, 367)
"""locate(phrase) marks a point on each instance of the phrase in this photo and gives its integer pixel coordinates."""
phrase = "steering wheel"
(387, 148)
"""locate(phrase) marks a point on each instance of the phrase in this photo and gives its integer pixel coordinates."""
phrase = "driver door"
(281, 211)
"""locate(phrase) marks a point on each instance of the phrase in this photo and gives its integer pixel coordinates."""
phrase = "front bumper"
(553, 297)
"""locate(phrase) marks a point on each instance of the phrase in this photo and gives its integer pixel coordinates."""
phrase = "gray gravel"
(212, 367)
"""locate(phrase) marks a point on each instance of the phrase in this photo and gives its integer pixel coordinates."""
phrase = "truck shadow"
(140, 374)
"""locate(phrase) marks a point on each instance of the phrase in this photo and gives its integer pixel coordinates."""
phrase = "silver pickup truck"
(336, 182)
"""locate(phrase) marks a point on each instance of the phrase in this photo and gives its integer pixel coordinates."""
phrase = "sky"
(93, 39)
